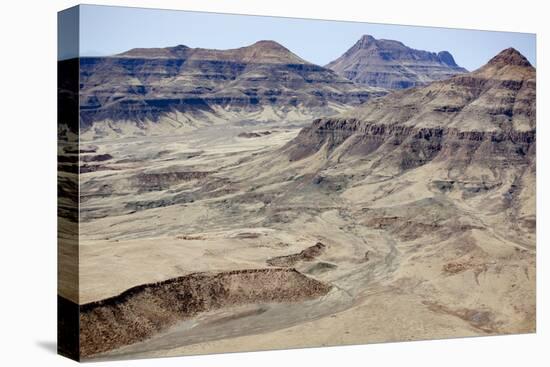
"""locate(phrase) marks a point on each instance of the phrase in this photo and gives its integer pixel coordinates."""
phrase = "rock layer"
(144, 85)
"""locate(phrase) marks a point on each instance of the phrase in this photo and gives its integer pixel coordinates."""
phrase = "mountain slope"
(498, 96)
(472, 137)
(264, 81)
(390, 64)
(497, 99)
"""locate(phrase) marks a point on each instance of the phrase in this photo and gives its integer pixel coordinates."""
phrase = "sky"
(106, 30)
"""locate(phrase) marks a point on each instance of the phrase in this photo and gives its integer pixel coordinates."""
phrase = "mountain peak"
(366, 40)
(268, 46)
(178, 48)
(268, 51)
(268, 43)
(447, 58)
(509, 56)
(369, 42)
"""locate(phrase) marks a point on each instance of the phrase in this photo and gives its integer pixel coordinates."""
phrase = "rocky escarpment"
(145, 85)
(390, 64)
(409, 146)
(142, 311)
(486, 114)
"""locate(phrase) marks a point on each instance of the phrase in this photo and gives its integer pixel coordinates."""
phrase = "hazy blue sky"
(109, 30)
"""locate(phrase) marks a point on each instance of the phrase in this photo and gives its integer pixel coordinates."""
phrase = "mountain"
(495, 103)
(392, 65)
(268, 52)
(181, 86)
(471, 137)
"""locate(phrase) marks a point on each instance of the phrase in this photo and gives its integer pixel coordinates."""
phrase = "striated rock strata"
(190, 85)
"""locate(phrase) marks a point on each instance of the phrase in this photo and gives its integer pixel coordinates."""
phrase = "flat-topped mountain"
(182, 86)
(259, 52)
(390, 64)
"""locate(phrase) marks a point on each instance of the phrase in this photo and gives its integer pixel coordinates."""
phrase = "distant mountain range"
(182, 85)
(392, 65)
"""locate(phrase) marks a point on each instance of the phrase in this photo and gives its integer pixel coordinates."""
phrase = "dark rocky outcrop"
(96, 158)
(144, 310)
(163, 180)
(254, 134)
(308, 254)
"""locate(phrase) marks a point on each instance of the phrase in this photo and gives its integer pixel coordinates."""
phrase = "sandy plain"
(404, 260)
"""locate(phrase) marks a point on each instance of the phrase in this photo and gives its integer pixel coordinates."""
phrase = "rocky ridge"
(143, 310)
(184, 86)
(494, 104)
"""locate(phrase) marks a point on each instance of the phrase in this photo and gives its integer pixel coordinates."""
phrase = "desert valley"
(247, 199)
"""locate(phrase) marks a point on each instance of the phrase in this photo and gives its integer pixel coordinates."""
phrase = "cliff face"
(148, 84)
(401, 148)
(392, 65)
